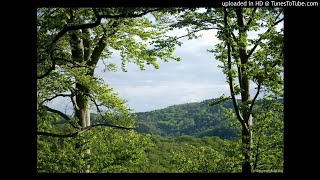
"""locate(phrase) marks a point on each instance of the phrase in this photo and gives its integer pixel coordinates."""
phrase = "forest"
(241, 132)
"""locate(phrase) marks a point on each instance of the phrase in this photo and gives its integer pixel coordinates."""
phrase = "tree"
(71, 41)
(249, 60)
(268, 129)
(112, 150)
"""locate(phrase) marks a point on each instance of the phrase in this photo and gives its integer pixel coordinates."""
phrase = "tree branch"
(54, 60)
(97, 23)
(239, 70)
(57, 135)
(67, 118)
(63, 59)
(53, 66)
(251, 18)
(96, 53)
(255, 97)
(81, 131)
(281, 53)
(69, 61)
(234, 37)
(55, 96)
(235, 103)
(87, 26)
(73, 28)
(98, 109)
(130, 15)
(87, 43)
(190, 22)
(73, 100)
(257, 42)
(192, 32)
(96, 104)
(239, 76)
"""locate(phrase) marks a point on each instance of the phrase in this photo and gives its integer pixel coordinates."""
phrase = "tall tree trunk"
(246, 131)
(83, 110)
(246, 144)
(80, 53)
(83, 114)
(245, 94)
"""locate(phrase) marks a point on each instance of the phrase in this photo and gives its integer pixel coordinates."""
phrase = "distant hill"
(194, 119)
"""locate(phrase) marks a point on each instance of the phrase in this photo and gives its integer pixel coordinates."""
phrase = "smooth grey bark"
(245, 94)
(80, 49)
(81, 52)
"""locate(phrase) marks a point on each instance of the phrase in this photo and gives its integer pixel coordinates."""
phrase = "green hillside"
(194, 137)
(194, 119)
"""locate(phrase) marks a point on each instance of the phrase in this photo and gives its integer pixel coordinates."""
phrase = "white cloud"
(62, 104)
(166, 92)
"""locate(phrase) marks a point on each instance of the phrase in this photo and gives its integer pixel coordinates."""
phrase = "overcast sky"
(194, 79)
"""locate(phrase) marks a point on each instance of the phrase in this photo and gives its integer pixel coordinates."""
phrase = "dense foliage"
(70, 43)
(195, 137)
(118, 151)
(245, 60)
(194, 119)
(207, 153)
(110, 151)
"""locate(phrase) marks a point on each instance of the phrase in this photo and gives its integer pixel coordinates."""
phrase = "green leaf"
(219, 100)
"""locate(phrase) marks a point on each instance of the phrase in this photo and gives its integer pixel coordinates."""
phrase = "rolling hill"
(194, 119)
